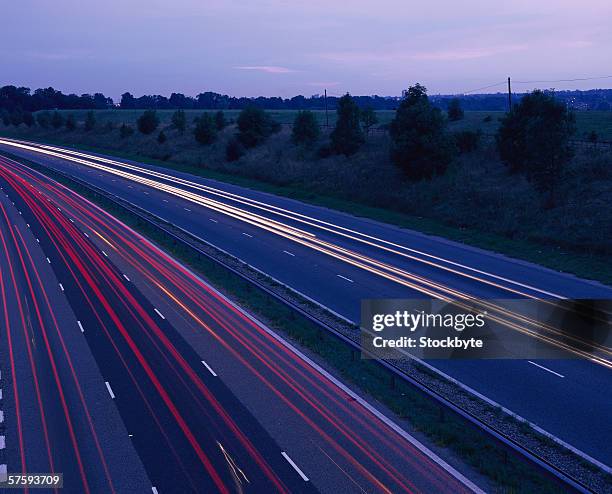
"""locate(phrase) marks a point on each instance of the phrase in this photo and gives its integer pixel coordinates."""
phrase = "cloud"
(269, 69)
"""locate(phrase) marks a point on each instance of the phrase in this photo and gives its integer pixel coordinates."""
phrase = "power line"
(566, 80)
(484, 87)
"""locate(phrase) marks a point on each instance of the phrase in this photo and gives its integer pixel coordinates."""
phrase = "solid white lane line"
(289, 253)
(125, 276)
(345, 278)
(110, 391)
(81, 326)
(105, 254)
(209, 369)
(214, 221)
(546, 369)
(48, 260)
(295, 467)
(154, 489)
(247, 235)
(85, 233)
(159, 314)
(61, 287)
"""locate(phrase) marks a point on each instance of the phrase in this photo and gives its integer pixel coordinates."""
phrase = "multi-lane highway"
(128, 373)
(337, 260)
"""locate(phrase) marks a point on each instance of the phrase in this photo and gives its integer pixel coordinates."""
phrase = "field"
(598, 121)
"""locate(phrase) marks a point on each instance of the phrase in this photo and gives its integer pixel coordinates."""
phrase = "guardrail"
(431, 393)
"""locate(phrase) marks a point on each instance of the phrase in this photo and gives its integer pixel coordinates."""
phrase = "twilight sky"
(289, 47)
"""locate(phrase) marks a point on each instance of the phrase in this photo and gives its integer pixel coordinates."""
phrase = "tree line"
(533, 138)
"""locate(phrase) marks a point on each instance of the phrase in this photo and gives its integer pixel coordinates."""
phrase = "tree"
(220, 120)
(28, 119)
(90, 120)
(205, 130)
(148, 122)
(368, 118)
(125, 131)
(70, 122)
(179, 120)
(534, 138)
(5, 117)
(234, 150)
(420, 143)
(44, 119)
(16, 118)
(455, 112)
(57, 120)
(255, 126)
(347, 135)
(305, 128)
(161, 137)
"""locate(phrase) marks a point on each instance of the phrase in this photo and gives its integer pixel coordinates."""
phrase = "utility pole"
(326, 115)
(509, 96)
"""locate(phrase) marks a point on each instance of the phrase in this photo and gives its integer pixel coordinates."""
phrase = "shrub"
(467, 141)
(592, 137)
(534, 138)
(179, 120)
(455, 112)
(4, 117)
(368, 119)
(44, 119)
(220, 120)
(16, 118)
(325, 151)
(420, 144)
(161, 137)
(90, 121)
(488, 118)
(234, 150)
(347, 137)
(57, 120)
(125, 131)
(148, 122)
(255, 126)
(28, 119)
(109, 126)
(70, 122)
(305, 128)
(205, 130)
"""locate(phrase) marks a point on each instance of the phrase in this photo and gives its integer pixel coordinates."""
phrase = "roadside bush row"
(533, 139)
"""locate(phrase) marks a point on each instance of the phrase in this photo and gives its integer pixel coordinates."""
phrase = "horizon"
(160, 49)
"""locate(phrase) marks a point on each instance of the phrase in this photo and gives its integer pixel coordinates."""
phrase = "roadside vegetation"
(512, 183)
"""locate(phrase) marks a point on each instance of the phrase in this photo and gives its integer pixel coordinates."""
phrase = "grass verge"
(507, 472)
(586, 265)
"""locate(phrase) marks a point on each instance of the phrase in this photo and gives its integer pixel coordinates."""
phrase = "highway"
(337, 260)
(149, 380)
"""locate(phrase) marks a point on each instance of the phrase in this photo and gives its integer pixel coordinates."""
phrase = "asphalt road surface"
(338, 259)
(130, 374)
